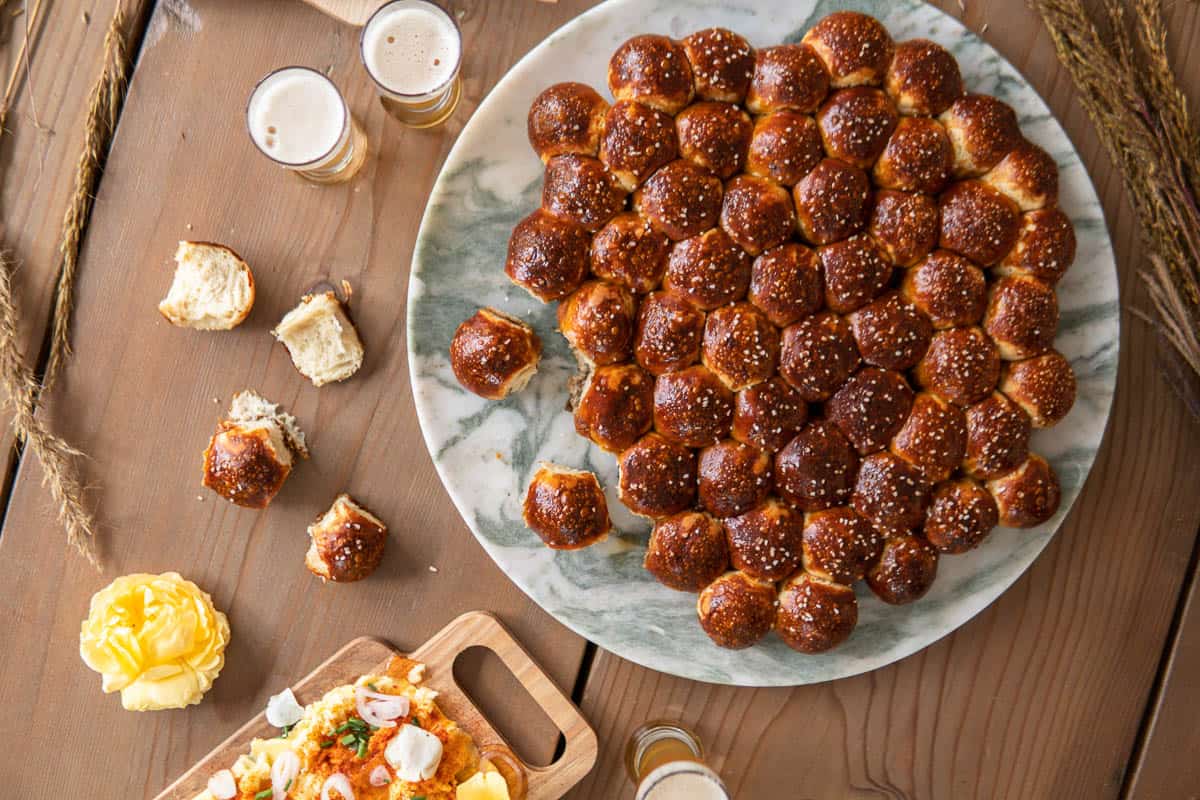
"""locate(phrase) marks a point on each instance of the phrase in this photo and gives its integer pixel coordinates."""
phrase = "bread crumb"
(432, 568)
(416, 674)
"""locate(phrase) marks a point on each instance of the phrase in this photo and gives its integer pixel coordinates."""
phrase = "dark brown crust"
(784, 147)
(787, 77)
(692, 407)
(346, 548)
(741, 346)
(582, 190)
(669, 333)
(816, 469)
(982, 130)
(757, 213)
(680, 199)
(736, 611)
(1043, 386)
(948, 289)
(961, 365)
(839, 545)
(817, 354)
(891, 333)
(566, 508)
(766, 542)
(566, 118)
(687, 551)
(599, 320)
(960, 516)
(917, 158)
(978, 222)
(923, 78)
(653, 70)
(905, 225)
(734, 477)
(616, 407)
(768, 415)
(832, 202)
(708, 270)
(855, 48)
(815, 615)
(714, 136)
(241, 465)
(785, 283)
(629, 250)
(657, 477)
(890, 493)
(547, 256)
(856, 271)
(1022, 317)
(722, 64)
(492, 351)
(1027, 496)
(637, 141)
(1028, 176)
(1045, 247)
(933, 438)
(856, 124)
(997, 437)
(905, 571)
(870, 407)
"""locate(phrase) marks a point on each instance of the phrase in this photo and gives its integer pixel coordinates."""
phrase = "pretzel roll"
(815, 615)
(947, 288)
(785, 146)
(598, 320)
(547, 256)
(817, 354)
(765, 542)
(741, 346)
(734, 477)
(722, 64)
(656, 477)
(905, 225)
(1028, 176)
(816, 469)
(961, 366)
(757, 213)
(905, 571)
(566, 507)
(616, 406)
(839, 545)
(653, 70)
(916, 158)
(688, 551)
(680, 199)
(933, 438)
(855, 48)
(997, 437)
(856, 272)
(890, 493)
(708, 270)
(566, 118)
(767, 415)
(669, 333)
(1043, 386)
(856, 123)
(978, 222)
(923, 78)
(692, 407)
(1045, 247)
(582, 190)
(832, 201)
(714, 136)
(493, 354)
(630, 251)
(637, 141)
(787, 77)
(890, 332)
(1021, 316)
(870, 407)
(961, 514)
(785, 283)
(1027, 496)
(736, 611)
(982, 130)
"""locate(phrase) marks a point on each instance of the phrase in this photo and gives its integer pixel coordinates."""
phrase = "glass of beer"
(412, 49)
(297, 117)
(666, 761)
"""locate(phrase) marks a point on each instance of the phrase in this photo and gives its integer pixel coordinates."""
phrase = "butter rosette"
(156, 639)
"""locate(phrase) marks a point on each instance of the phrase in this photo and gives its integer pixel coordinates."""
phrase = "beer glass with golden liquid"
(666, 761)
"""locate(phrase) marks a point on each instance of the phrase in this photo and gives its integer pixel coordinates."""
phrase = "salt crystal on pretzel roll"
(722, 64)
(917, 157)
(814, 614)
(714, 136)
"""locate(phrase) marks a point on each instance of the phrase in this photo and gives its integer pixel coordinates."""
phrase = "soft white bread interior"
(321, 339)
(213, 288)
(252, 412)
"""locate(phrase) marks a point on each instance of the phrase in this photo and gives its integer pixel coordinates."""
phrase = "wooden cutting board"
(369, 655)
(354, 12)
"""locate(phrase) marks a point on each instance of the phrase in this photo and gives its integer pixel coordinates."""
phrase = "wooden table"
(1079, 682)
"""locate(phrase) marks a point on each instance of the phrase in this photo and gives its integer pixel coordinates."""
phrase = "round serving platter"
(485, 452)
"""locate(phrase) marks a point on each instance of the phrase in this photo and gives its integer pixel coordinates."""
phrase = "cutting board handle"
(352, 12)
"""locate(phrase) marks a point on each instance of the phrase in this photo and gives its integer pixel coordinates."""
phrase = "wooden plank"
(1042, 694)
(139, 398)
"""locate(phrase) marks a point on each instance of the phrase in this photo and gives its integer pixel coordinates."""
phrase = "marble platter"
(485, 452)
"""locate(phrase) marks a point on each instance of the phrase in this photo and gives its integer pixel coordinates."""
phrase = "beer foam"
(681, 780)
(411, 47)
(296, 115)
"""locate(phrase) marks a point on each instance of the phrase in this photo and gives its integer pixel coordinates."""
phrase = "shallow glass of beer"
(412, 49)
(297, 117)
(666, 761)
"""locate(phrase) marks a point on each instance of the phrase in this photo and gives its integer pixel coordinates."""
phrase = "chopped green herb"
(416, 723)
(286, 730)
(372, 687)
(362, 748)
(418, 797)
(349, 739)
(264, 794)
(288, 785)
(326, 744)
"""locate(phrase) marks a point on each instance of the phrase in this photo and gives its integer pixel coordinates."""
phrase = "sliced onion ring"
(380, 776)
(283, 709)
(222, 785)
(379, 709)
(340, 783)
(283, 771)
